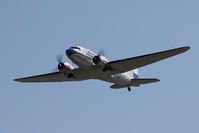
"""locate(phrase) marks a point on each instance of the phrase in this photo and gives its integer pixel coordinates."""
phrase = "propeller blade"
(59, 58)
(54, 70)
(101, 52)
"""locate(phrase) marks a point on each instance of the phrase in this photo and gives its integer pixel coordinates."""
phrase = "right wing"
(50, 77)
(79, 74)
(120, 66)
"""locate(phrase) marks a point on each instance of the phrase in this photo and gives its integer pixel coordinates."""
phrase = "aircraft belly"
(121, 79)
(118, 79)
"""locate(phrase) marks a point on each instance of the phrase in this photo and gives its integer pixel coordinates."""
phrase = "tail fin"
(135, 73)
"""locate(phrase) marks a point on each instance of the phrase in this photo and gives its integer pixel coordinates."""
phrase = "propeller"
(97, 59)
(60, 63)
(101, 52)
(59, 58)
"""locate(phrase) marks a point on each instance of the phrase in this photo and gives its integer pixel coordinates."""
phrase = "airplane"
(122, 73)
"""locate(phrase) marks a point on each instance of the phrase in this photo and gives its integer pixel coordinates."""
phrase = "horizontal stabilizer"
(118, 86)
(143, 81)
(136, 83)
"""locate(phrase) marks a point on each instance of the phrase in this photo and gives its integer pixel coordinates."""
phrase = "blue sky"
(32, 33)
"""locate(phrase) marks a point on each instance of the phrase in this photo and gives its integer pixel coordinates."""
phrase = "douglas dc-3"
(122, 73)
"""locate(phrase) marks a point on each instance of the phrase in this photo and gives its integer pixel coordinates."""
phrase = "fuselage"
(83, 58)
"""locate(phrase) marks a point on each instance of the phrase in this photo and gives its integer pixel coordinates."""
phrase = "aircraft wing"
(56, 77)
(50, 77)
(128, 64)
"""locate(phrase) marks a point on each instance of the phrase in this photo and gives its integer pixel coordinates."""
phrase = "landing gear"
(107, 67)
(129, 89)
(70, 75)
(104, 69)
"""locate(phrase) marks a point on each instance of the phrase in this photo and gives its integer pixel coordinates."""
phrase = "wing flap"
(128, 64)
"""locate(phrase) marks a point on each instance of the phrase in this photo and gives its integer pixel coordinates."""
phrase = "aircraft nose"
(69, 52)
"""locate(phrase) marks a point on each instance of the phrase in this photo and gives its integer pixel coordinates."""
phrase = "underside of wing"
(128, 64)
(50, 77)
(77, 74)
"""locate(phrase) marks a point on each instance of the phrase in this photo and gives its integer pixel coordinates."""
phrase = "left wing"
(79, 74)
(128, 64)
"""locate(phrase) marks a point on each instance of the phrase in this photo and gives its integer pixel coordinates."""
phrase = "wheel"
(70, 75)
(104, 69)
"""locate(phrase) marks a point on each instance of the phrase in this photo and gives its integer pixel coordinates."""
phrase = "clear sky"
(33, 33)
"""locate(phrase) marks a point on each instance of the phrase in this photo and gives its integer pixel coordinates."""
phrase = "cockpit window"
(75, 48)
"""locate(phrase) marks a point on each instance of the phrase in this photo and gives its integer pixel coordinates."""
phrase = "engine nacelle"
(100, 60)
(65, 66)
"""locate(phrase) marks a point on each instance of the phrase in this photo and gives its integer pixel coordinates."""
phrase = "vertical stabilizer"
(133, 74)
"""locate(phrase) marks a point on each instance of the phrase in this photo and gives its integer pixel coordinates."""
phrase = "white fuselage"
(84, 58)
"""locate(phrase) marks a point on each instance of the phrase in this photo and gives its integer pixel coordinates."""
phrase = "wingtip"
(158, 80)
(186, 48)
(183, 49)
(17, 80)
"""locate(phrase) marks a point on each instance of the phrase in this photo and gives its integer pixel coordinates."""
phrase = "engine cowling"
(65, 66)
(100, 60)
